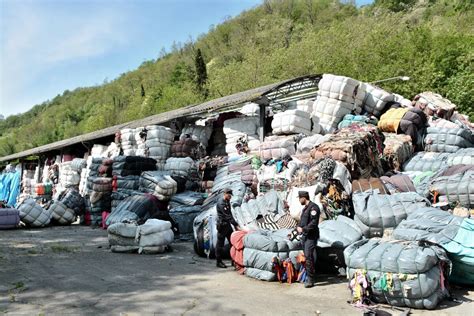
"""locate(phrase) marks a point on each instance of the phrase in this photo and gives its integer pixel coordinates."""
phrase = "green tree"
(201, 74)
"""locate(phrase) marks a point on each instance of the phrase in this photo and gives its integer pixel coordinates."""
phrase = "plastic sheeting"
(448, 139)
(10, 187)
(374, 213)
(455, 188)
(412, 271)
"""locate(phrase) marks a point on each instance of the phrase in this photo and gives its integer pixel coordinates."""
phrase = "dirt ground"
(70, 270)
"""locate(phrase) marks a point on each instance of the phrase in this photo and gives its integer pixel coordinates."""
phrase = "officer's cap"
(304, 194)
(228, 191)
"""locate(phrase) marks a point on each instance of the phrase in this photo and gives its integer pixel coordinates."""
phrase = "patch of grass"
(18, 288)
(59, 248)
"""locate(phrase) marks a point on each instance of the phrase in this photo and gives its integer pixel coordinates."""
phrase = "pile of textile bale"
(358, 147)
(183, 208)
(241, 135)
(400, 273)
(294, 122)
(100, 198)
(306, 144)
(375, 212)
(154, 236)
(184, 167)
(128, 142)
(412, 122)
(431, 161)
(376, 100)
(201, 134)
(337, 96)
(455, 185)
(361, 120)
(455, 234)
(28, 182)
(9, 218)
(434, 104)
(138, 208)
(33, 214)
(277, 147)
(70, 174)
(161, 185)
(398, 148)
(158, 143)
(448, 140)
(68, 205)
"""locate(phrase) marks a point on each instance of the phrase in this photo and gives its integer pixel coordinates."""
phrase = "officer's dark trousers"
(309, 248)
(224, 231)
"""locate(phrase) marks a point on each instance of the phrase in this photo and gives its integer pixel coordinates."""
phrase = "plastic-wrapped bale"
(261, 247)
(184, 216)
(186, 147)
(132, 165)
(68, 176)
(375, 213)
(275, 147)
(100, 198)
(291, 122)
(9, 218)
(397, 149)
(350, 146)
(334, 237)
(161, 186)
(305, 145)
(77, 164)
(371, 184)
(242, 127)
(122, 237)
(126, 182)
(397, 183)
(463, 156)
(427, 161)
(72, 199)
(158, 142)
(376, 100)
(456, 188)
(271, 203)
(404, 102)
(154, 236)
(455, 234)
(448, 140)
(185, 167)
(434, 104)
(62, 214)
(120, 195)
(32, 214)
(441, 123)
(342, 88)
(250, 109)
(200, 134)
(362, 120)
(135, 208)
(402, 273)
(127, 141)
(330, 112)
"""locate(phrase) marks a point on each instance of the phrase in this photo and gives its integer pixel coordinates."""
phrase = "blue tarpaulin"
(10, 187)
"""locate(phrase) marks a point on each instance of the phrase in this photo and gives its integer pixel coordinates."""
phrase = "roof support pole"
(261, 127)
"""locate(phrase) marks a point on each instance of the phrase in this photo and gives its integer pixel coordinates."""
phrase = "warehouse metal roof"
(270, 94)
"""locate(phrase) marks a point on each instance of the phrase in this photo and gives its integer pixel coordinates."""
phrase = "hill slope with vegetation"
(432, 41)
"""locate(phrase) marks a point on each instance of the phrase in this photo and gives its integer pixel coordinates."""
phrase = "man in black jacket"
(225, 220)
(308, 228)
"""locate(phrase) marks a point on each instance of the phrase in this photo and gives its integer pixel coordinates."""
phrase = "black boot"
(220, 264)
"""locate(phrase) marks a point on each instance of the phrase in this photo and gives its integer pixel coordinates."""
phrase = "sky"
(49, 46)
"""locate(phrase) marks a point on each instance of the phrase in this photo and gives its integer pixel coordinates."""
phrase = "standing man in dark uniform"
(308, 228)
(224, 222)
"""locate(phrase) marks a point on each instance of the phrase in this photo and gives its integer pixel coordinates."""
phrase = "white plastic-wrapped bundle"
(33, 214)
(330, 112)
(28, 182)
(200, 134)
(305, 105)
(180, 166)
(154, 236)
(242, 127)
(164, 135)
(250, 109)
(98, 150)
(306, 144)
(162, 186)
(342, 88)
(68, 176)
(376, 99)
(404, 102)
(292, 122)
(276, 147)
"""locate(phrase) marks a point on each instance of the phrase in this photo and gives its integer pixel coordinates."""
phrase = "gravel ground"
(70, 270)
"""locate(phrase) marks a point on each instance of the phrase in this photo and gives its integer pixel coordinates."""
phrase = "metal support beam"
(261, 128)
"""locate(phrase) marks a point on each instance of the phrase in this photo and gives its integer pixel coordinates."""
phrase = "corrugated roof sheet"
(271, 91)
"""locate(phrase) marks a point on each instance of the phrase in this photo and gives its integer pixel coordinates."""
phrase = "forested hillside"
(430, 41)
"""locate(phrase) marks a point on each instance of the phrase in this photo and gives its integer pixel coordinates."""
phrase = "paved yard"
(70, 270)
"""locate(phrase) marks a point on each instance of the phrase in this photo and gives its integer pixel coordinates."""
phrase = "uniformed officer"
(225, 220)
(308, 228)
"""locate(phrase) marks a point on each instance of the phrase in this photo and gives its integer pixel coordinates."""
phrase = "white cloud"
(38, 37)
